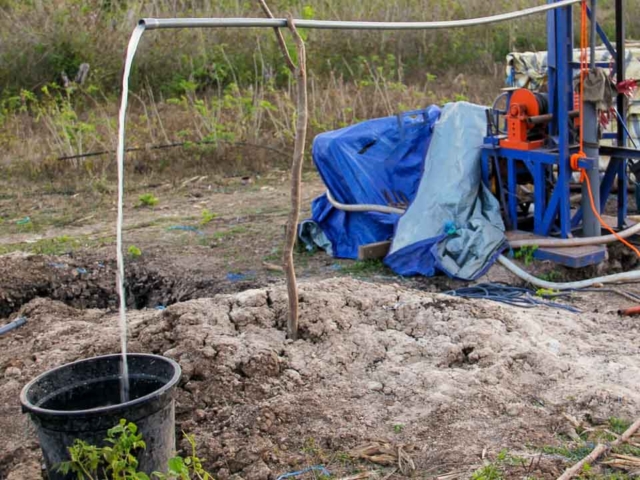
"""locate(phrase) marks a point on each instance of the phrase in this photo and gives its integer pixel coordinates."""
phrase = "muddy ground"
(446, 378)
(382, 361)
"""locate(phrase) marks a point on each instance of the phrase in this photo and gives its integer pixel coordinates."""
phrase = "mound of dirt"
(445, 377)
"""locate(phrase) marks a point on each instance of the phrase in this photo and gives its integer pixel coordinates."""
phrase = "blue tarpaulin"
(358, 164)
(432, 161)
(453, 224)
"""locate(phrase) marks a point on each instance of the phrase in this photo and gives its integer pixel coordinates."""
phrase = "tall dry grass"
(41, 38)
(229, 88)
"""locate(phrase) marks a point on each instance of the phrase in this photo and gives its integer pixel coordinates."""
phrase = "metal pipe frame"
(162, 23)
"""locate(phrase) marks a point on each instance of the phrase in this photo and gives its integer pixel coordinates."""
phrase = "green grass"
(239, 230)
(55, 246)
(207, 216)
(572, 452)
(618, 425)
(365, 268)
(147, 200)
(496, 469)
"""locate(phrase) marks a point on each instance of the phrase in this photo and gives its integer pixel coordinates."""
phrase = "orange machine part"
(523, 104)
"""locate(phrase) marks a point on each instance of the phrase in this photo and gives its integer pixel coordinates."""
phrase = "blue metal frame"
(552, 214)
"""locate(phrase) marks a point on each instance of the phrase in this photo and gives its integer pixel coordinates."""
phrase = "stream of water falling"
(124, 368)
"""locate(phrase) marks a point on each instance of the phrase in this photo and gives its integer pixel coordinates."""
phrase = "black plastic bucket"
(82, 400)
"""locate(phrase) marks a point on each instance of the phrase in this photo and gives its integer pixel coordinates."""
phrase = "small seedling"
(147, 200)
(117, 460)
(526, 254)
(185, 468)
(207, 216)
(488, 472)
(551, 276)
(134, 251)
(398, 427)
(546, 292)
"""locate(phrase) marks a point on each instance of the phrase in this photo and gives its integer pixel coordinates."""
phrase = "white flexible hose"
(632, 276)
(538, 242)
(575, 242)
(363, 207)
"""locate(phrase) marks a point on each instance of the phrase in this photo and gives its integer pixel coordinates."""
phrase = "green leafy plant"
(186, 468)
(207, 216)
(398, 427)
(134, 251)
(495, 470)
(117, 459)
(526, 254)
(546, 292)
(147, 200)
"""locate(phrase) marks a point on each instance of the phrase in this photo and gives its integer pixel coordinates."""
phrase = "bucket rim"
(28, 407)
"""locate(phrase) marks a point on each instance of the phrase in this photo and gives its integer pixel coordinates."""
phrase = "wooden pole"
(302, 114)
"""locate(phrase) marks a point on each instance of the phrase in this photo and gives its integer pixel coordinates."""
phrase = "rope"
(576, 157)
(514, 296)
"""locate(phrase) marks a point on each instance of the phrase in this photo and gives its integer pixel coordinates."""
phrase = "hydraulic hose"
(632, 276)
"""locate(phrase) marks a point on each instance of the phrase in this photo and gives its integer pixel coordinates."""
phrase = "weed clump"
(117, 459)
(147, 200)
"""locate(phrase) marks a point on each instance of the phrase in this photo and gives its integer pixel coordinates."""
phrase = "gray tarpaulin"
(454, 223)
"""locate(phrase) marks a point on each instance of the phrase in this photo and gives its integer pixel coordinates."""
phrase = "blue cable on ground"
(515, 296)
(319, 468)
(18, 322)
(186, 228)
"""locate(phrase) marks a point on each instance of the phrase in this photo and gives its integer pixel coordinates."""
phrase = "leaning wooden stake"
(302, 113)
(296, 180)
(599, 451)
(279, 37)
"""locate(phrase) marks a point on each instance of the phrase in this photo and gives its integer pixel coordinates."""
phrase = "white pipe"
(632, 276)
(575, 242)
(155, 23)
(363, 207)
(540, 242)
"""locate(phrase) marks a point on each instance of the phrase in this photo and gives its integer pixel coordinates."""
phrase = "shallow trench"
(86, 281)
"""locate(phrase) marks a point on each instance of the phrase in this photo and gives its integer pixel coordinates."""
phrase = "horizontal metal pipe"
(547, 117)
(157, 23)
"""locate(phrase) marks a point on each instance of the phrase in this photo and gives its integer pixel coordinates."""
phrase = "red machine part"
(523, 104)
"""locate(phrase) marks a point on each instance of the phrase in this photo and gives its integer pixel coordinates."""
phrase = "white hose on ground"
(363, 207)
(632, 276)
